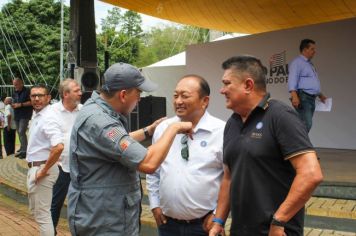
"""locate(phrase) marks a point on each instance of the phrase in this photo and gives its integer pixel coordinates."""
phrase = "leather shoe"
(22, 155)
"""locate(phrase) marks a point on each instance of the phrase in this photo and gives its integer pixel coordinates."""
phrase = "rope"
(16, 58)
(38, 69)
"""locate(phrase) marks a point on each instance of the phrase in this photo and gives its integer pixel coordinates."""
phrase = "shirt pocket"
(306, 72)
(132, 210)
(205, 161)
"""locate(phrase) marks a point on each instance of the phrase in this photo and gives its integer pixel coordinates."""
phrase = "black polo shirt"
(21, 97)
(257, 154)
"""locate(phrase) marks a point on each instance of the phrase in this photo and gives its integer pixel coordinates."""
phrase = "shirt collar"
(204, 123)
(62, 108)
(304, 58)
(43, 111)
(263, 104)
(95, 97)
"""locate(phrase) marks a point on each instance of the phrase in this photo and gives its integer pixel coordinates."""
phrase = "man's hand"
(276, 231)
(208, 222)
(295, 101)
(216, 230)
(158, 215)
(41, 173)
(184, 128)
(322, 98)
(15, 105)
(151, 128)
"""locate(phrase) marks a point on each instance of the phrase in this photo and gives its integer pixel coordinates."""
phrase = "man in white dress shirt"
(183, 192)
(66, 111)
(44, 148)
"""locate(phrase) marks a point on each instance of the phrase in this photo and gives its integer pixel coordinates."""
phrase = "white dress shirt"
(45, 133)
(184, 189)
(66, 119)
(9, 111)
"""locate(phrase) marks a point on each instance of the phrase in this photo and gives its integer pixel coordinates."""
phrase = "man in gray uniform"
(104, 194)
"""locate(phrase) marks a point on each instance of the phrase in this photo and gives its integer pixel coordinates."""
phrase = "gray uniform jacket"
(104, 194)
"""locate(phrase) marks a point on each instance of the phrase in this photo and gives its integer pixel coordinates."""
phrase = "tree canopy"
(30, 40)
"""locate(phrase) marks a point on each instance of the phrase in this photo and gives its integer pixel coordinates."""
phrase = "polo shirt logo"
(259, 125)
(256, 135)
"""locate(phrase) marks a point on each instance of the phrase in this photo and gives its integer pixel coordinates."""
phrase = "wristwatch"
(277, 222)
(147, 134)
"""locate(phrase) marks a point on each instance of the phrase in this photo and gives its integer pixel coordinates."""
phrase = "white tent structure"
(167, 72)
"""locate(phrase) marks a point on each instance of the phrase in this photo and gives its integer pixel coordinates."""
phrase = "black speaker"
(149, 109)
(88, 79)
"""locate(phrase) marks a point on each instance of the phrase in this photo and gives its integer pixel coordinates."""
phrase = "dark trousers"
(0, 145)
(306, 108)
(172, 228)
(60, 190)
(9, 141)
(21, 127)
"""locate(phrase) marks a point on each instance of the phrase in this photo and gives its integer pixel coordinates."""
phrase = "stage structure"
(83, 46)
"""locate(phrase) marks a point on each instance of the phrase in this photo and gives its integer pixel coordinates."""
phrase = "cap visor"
(148, 86)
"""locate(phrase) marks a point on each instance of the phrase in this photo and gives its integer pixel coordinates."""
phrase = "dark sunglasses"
(185, 149)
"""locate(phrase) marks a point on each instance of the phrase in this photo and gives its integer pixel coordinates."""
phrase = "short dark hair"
(42, 86)
(305, 44)
(250, 65)
(203, 84)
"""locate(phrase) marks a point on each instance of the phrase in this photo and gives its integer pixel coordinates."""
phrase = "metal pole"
(62, 32)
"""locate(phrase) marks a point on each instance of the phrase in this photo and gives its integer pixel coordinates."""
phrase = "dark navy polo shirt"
(257, 153)
(21, 97)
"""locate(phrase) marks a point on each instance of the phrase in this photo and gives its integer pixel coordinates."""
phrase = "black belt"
(193, 221)
(35, 163)
(310, 95)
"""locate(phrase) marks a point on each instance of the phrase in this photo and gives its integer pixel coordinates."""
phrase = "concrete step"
(326, 216)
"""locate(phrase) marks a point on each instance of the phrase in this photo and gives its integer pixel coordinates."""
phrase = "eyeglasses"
(185, 149)
(38, 95)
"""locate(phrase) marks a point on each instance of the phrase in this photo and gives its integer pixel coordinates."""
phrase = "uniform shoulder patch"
(114, 134)
(124, 144)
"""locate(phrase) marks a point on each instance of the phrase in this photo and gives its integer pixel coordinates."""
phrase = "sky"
(102, 8)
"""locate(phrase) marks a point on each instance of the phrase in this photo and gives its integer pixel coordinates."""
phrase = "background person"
(44, 148)
(303, 82)
(66, 110)
(23, 112)
(9, 127)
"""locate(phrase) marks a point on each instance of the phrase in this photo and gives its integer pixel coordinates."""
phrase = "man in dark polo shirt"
(271, 168)
(23, 113)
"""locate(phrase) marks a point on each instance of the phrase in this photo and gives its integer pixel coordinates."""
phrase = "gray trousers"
(21, 127)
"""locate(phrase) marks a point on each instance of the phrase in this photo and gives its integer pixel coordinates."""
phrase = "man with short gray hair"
(66, 110)
(104, 196)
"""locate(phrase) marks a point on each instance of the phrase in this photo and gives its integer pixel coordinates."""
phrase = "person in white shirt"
(66, 111)
(9, 127)
(183, 192)
(44, 148)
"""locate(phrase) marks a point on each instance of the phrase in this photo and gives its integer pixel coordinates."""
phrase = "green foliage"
(120, 37)
(30, 40)
(163, 42)
(30, 32)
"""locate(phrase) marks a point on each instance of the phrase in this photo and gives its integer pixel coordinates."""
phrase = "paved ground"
(15, 219)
